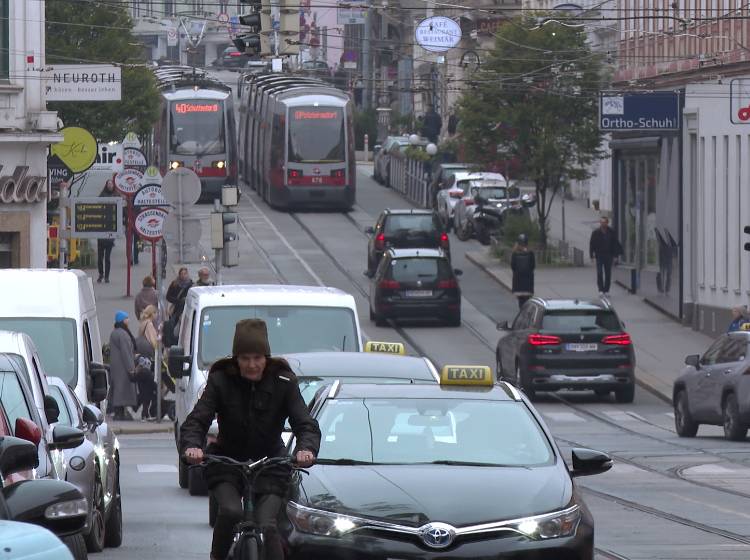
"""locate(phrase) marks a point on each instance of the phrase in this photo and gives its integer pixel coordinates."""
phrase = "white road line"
(151, 468)
(618, 415)
(563, 416)
(636, 416)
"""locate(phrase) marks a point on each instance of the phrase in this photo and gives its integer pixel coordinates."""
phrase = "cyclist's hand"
(193, 455)
(305, 458)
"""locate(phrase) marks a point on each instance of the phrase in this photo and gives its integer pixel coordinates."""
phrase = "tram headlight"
(220, 164)
(175, 164)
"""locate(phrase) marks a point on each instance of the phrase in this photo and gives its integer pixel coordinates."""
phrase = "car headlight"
(319, 522)
(71, 508)
(550, 525)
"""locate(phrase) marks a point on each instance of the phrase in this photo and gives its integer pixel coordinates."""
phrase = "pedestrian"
(204, 277)
(177, 292)
(252, 394)
(738, 319)
(147, 296)
(145, 345)
(605, 248)
(522, 263)
(104, 246)
(122, 368)
(432, 125)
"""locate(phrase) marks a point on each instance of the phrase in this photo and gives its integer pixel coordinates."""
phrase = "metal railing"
(412, 179)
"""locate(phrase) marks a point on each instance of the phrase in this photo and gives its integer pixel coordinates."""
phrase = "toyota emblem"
(437, 535)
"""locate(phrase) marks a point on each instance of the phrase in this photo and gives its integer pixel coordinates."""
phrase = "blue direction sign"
(658, 110)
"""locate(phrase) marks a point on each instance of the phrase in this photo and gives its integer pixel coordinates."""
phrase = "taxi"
(409, 472)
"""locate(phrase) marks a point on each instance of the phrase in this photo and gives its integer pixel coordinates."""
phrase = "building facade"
(26, 131)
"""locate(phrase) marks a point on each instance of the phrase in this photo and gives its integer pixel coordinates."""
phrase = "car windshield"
(64, 417)
(397, 224)
(419, 269)
(290, 329)
(316, 135)
(197, 127)
(580, 320)
(308, 386)
(55, 340)
(410, 431)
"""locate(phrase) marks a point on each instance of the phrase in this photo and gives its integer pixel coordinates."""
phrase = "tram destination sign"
(96, 218)
(656, 110)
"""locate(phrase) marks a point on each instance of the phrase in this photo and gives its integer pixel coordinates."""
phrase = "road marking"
(151, 468)
(711, 468)
(623, 415)
(563, 417)
(704, 504)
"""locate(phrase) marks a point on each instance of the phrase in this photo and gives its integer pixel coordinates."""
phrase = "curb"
(644, 384)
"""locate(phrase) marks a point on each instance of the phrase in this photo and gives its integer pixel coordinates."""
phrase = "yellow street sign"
(78, 150)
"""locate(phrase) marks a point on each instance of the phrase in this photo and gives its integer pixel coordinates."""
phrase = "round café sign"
(129, 181)
(437, 34)
(149, 223)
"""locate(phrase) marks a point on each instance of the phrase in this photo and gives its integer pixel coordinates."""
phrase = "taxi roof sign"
(467, 375)
(385, 347)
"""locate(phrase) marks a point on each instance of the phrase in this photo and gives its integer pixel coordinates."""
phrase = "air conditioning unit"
(42, 120)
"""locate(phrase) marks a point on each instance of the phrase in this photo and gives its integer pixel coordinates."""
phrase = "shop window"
(4, 40)
(10, 250)
(650, 186)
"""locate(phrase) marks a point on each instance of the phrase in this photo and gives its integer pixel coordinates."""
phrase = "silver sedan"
(453, 194)
(93, 467)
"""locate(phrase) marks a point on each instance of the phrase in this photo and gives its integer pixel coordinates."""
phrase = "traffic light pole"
(217, 266)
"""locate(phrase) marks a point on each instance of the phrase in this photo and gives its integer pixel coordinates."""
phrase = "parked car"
(316, 68)
(714, 388)
(567, 344)
(231, 58)
(442, 175)
(31, 542)
(382, 158)
(93, 467)
(453, 193)
(22, 428)
(405, 229)
(415, 283)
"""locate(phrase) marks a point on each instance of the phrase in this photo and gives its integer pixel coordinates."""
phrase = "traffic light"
(251, 41)
(231, 238)
(747, 232)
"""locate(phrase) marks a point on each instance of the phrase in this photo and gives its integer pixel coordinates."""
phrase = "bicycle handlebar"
(250, 465)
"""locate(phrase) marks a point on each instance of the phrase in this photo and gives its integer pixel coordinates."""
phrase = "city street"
(665, 498)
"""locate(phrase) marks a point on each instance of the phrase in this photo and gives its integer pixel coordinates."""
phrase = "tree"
(535, 101)
(100, 32)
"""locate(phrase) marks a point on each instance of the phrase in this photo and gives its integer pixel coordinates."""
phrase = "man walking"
(104, 246)
(604, 247)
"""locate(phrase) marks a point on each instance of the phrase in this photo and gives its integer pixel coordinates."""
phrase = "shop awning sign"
(83, 82)
(437, 34)
(628, 111)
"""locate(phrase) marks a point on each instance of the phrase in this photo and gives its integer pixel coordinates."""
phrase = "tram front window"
(197, 128)
(316, 135)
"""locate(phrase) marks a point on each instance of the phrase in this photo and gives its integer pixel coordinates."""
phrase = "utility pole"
(366, 61)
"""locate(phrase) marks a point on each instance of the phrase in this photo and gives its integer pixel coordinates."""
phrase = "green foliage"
(365, 122)
(535, 100)
(102, 34)
(417, 153)
(516, 224)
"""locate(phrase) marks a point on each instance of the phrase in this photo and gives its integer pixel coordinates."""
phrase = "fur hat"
(251, 337)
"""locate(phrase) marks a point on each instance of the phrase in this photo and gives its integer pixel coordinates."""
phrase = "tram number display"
(315, 115)
(185, 108)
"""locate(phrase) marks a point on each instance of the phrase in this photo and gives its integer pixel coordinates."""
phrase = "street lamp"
(414, 139)
(431, 149)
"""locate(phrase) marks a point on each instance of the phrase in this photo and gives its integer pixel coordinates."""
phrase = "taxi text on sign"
(385, 347)
(466, 375)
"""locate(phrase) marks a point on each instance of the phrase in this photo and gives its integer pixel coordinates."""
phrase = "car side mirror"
(369, 273)
(588, 461)
(693, 360)
(177, 362)
(66, 437)
(503, 326)
(377, 148)
(93, 416)
(99, 375)
(17, 454)
(27, 430)
(370, 230)
(56, 505)
(51, 409)
(458, 271)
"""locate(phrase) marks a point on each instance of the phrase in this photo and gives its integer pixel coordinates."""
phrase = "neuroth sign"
(437, 34)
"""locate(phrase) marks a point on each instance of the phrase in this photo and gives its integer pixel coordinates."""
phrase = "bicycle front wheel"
(247, 547)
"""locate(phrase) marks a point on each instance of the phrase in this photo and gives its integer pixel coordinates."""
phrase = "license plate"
(418, 293)
(582, 347)
(317, 180)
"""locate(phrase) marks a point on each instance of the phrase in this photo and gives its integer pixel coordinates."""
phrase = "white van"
(299, 319)
(56, 308)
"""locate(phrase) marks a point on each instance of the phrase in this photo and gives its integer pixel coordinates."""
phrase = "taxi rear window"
(410, 431)
(416, 269)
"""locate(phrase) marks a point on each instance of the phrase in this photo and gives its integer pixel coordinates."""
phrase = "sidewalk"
(660, 343)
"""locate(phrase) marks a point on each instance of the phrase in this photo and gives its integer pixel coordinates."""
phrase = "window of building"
(10, 250)
(4, 40)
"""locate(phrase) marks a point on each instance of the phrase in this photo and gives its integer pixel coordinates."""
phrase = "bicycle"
(248, 541)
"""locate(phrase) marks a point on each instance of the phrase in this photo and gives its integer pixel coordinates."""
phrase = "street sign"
(58, 171)
(133, 158)
(131, 141)
(108, 158)
(172, 40)
(351, 12)
(152, 175)
(740, 101)
(128, 182)
(83, 82)
(96, 218)
(181, 187)
(149, 223)
(437, 34)
(621, 111)
(78, 149)
(150, 195)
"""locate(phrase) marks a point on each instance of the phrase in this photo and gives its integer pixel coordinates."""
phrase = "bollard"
(367, 148)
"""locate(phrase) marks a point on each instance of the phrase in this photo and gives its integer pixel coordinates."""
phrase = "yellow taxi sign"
(385, 347)
(467, 375)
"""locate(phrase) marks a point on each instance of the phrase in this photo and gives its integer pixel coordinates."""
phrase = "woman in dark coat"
(122, 366)
(522, 263)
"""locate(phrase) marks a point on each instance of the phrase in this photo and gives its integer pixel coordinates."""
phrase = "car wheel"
(372, 315)
(684, 424)
(602, 392)
(113, 527)
(522, 384)
(462, 232)
(500, 372)
(95, 538)
(380, 321)
(182, 473)
(196, 482)
(626, 394)
(77, 546)
(455, 319)
(213, 510)
(734, 428)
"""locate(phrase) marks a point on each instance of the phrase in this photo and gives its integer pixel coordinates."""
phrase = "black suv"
(567, 344)
(405, 229)
(415, 283)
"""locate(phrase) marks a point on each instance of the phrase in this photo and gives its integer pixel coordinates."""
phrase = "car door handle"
(729, 370)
